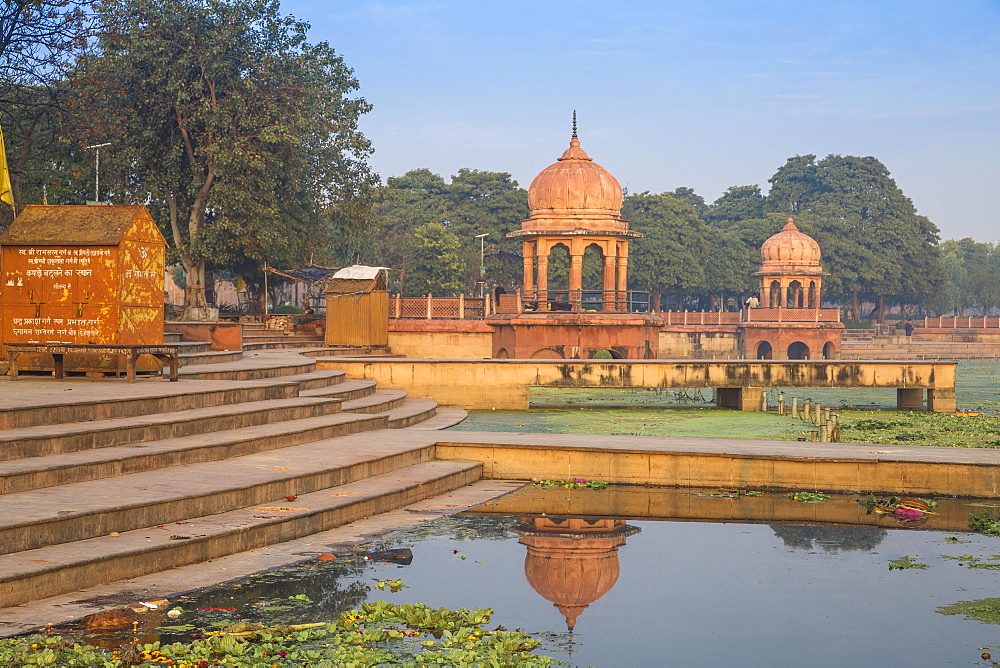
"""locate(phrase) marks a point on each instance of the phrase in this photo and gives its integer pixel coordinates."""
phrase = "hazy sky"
(705, 94)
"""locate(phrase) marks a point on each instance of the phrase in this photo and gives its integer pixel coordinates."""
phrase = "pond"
(780, 590)
(690, 412)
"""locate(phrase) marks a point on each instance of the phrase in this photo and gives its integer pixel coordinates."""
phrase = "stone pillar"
(909, 399)
(941, 400)
(543, 281)
(575, 278)
(528, 251)
(622, 296)
(608, 283)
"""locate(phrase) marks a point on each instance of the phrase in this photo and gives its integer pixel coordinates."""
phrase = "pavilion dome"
(575, 181)
(790, 248)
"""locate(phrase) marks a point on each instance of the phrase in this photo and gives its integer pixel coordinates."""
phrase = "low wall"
(728, 463)
(221, 335)
(698, 342)
(437, 339)
(500, 383)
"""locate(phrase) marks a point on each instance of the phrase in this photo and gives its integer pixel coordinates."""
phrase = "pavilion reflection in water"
(572, 561)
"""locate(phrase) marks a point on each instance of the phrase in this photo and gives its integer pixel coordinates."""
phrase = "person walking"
(908, 328)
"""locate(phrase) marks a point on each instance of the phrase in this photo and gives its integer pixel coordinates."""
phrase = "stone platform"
(103, 482)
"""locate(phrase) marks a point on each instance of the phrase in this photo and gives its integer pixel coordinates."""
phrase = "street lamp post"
(482, 260)
(97, 169)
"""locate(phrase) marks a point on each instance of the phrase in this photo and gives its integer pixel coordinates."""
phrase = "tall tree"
(874, 242)
(234, 127)
(38, 39)
(436, 262)
(670, 257)
(736, 204)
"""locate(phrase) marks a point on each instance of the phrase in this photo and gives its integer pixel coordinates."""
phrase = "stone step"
(50, 471)
(253, 366)
(186, 347)
(56, 439)
(412, 412)
(351, 388)
(379, 401)
(278, 345)
(52, 570)
(78, 511)
(444, 417)
(321, 379)
(79, 400)
(209, 357)
(173, 337)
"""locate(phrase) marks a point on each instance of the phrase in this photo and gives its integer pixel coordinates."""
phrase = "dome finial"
(574, 124)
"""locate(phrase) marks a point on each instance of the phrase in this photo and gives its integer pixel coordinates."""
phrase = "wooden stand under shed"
(85, 275)
(357, 307)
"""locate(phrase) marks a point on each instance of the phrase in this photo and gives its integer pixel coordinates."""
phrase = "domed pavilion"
(575, 208)
(790, 322)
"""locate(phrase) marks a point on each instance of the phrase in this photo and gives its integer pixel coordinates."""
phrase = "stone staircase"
(100, 481)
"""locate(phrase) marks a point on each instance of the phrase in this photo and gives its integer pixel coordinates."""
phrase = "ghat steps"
(102, 481)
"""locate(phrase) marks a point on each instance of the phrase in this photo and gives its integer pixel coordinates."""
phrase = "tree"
(874, 242)
(237, 131)
(37, 42)
(736, 204)
(474, 202)
(435, 265)
(670, 256)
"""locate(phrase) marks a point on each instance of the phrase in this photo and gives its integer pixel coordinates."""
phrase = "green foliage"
(904, 563)
(474, 202)
(874, 243)
(576, 483)
(240, 134)
(920, 428)
(808, 497)
(984, 524)
(378, 633)
(985, 610)
(438, 267)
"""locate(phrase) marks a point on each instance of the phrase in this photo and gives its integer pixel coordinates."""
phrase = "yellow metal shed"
(357, 307)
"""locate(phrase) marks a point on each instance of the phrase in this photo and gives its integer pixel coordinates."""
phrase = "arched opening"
(502, 354)
(813, 295)
(774, 295)
(828, 350)
(794, 298)
(764, 351)
(558, 287)
(546, 354)
(592, 298)
(605, 355)
(798, 351)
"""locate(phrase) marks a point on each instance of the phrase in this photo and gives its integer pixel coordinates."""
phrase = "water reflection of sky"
(802, 584)
(697, 594)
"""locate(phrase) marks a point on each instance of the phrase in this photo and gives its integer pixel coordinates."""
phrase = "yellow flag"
(6, 192)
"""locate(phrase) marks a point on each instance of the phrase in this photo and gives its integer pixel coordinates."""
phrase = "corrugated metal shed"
(357, 307)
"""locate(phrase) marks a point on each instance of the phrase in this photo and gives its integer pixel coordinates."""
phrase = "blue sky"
(702, 94)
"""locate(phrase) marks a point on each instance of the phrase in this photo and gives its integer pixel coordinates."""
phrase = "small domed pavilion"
(790, 323)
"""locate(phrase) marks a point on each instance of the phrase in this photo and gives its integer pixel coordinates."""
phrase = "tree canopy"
(239, 133)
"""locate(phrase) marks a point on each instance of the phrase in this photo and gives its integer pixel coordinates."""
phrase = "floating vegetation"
(984, 524)
(576, 483)
(970, 561)
(726, 493)
(377, 633)
(920, 428)
(985, 610)
(808, 497)
(904, 563)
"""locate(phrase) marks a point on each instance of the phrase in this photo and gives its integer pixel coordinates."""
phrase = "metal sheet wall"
(360, 319)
